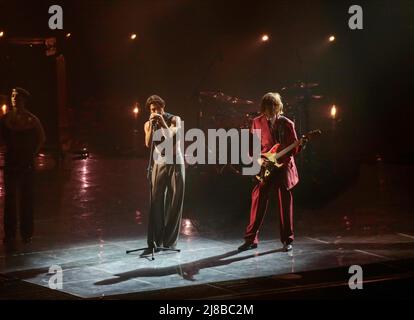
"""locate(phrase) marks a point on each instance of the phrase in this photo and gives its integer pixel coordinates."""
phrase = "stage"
(90, 212)
(104, 271)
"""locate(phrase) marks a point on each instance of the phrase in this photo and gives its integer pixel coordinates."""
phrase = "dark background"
(186, 46)
(364, 158)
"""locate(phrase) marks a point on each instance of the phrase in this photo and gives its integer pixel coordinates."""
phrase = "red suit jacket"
(288, 135)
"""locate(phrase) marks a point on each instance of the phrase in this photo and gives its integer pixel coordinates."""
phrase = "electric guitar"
(271, 158)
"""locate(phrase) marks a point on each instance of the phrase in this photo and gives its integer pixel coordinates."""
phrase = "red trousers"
(260, 201)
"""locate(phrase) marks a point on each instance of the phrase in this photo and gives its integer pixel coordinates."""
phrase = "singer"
(166, 180)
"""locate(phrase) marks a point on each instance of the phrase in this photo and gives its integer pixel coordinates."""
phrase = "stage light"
(1, 34)
(68, 35)
(135, 109)
(331, 38)
(4, 108)
(133, 36)
(265, 38)
(333, 111)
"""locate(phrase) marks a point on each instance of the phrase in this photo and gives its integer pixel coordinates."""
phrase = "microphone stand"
(149, 177)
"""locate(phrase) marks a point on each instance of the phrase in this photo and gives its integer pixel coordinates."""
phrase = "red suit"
(284, 130)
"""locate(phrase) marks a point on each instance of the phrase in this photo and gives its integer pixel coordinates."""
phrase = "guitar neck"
(287, 149)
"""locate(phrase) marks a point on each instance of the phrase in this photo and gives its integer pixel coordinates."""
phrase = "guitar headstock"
(312, 134)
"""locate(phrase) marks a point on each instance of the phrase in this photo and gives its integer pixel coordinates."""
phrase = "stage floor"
(103, 270)
(91, 212)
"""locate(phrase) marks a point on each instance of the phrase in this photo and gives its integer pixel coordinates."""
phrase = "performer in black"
(167, 180)
(23, 136)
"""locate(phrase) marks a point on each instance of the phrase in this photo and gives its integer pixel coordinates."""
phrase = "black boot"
(247, 246)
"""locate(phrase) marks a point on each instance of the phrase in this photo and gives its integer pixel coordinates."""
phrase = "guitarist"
(275, 128)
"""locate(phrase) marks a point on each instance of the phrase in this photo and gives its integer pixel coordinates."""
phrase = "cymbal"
(301, 85)
(312, 96)
(315, 96)
(236, 100)
(214, 94)
(220, 96)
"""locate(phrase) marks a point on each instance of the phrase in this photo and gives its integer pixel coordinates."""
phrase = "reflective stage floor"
(88, 213)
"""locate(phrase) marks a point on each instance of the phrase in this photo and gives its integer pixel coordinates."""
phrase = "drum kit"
(220, 110)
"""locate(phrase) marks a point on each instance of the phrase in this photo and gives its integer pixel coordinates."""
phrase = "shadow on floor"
(187, 271)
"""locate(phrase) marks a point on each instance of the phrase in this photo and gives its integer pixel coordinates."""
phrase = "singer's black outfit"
(167, 197)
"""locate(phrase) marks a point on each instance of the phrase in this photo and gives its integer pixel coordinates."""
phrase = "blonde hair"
(272, 100)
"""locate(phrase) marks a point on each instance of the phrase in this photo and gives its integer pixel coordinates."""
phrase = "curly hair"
(154, 99)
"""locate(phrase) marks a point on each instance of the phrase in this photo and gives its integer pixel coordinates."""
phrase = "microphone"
(154, 125)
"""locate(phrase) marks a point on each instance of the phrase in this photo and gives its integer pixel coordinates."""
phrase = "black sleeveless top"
(168, 120)
(20, 145)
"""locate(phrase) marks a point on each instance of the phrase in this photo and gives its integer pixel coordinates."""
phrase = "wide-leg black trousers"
(167, 197)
